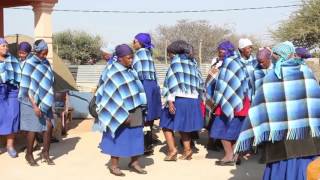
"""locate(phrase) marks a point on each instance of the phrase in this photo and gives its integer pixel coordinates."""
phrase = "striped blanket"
(10, 70)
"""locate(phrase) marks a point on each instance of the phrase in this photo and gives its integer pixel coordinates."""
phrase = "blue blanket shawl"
(10, 70)
(183, 76)
(121, 92)
(37, 82)
(284, 108)
(144, 65)
(232, 86)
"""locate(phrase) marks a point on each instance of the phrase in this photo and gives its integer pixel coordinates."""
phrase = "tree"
(193, 32)
(78, 47)
(303, 26)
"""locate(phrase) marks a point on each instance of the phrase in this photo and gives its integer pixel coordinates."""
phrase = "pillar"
(43, 24)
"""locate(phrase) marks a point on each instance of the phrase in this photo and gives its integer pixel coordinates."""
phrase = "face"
(246, 51)
(42, 54)
(221, 53)
(136, 45)
(106, 56)
(3, 49)
(22, 55)
(264, 63)
(126, 60)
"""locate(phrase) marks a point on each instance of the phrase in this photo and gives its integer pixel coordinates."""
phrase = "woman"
(9, 104)
(210, 86)
(24, 52)
(231, 102)
(183, 91)
(120, 101)
(144, 65)
(285, 116)
(37, 98)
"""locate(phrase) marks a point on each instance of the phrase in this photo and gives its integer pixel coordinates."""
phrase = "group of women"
(270, 101)
(27, 97)
(267, 101)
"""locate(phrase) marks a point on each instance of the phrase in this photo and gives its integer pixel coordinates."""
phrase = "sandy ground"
(77, 157)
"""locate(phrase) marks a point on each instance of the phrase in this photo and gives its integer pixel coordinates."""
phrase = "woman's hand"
(172, 108)
(37, 111)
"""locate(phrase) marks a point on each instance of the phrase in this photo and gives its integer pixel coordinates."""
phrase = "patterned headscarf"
(40, 46)
(283, 50)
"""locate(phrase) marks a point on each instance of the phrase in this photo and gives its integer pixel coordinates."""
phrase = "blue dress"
(226, 129)
(153, 99)
(188, 116)
(128, 142)
(9, 109)
(291, 169)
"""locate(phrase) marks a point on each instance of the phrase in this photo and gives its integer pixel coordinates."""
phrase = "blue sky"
(121, 28)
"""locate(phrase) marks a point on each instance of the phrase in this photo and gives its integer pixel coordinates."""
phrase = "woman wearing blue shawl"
(37, 98)
(144, 65)
(231, 102)
(285, 117)
(183, 92)
(9, 104)
(120, 102)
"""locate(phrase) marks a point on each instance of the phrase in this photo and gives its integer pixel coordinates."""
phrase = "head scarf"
(123, 50)
(244, 42)
(3, 41)
(25, 47)
(264, 53)
(41, 46)
(303, 53)
(144, 39)
(284, 50)
(228, 47)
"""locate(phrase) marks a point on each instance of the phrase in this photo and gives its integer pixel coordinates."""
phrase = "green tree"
(193, 32)
(78, 47)
(303, 26)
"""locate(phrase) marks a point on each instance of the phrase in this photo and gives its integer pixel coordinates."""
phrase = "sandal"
(116, 171)
(136, 168)
(171, 157)
(187, 155)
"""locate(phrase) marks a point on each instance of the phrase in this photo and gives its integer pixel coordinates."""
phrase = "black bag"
(136, 117)
(92, 107)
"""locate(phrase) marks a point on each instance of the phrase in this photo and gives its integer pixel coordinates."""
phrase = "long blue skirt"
(188, 116)
(225, 129)
(128, 142)
(9, 109)
(291, 169)
(30, 122)
(153, 99)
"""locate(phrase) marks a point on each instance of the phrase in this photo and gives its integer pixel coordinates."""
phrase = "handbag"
(136, 117)
(92, 107)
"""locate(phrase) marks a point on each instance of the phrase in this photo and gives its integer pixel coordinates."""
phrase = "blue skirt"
(128, 142)
(29, 121)
(225, 129)
(188, 117)
(153, 99)
(9, 109)
(291, 169)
